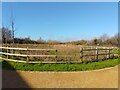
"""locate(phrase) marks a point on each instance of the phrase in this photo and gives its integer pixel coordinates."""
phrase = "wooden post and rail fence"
(110, 53)
(24, 55)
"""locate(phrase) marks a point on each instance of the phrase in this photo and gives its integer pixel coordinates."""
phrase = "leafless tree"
(104, 37)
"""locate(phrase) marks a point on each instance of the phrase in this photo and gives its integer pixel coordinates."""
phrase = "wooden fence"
(96, 52)
(24, 55)
(85, 53)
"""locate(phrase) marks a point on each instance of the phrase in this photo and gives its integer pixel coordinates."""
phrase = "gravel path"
(103, 78)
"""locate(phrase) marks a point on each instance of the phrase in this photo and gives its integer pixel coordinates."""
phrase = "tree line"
(103, 40)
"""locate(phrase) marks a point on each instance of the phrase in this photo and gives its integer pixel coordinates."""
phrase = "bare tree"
(12, 24)
(5, 35)
(104, 37)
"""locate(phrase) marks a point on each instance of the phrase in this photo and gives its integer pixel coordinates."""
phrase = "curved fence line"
(82, 55)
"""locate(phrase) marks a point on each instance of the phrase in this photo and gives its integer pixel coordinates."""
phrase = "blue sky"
(62, 21)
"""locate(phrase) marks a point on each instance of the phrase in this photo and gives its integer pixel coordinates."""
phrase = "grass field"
(60, 67)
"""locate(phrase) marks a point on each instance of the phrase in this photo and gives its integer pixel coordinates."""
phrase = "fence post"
(27, 55)
(7, 52)
(96, 53)
(112, 52)
(109, 51)
(81, 54)
(56, 56)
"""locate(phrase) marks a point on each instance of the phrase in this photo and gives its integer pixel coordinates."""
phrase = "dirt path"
(104, 78)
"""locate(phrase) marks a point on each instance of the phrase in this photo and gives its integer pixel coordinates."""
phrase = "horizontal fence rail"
(90, 49)
(27, 49)
(13, 48)
(13, 54)
(28, 55)
(97, 54)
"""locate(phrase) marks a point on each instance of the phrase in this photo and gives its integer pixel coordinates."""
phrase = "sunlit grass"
(60, 67)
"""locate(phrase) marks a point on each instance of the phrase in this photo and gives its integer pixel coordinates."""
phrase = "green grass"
(59, 67)
(116, 51)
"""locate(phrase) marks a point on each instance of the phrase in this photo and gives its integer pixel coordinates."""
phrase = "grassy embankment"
(60, 67)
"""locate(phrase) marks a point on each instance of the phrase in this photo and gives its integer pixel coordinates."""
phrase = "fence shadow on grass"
(12, 79)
